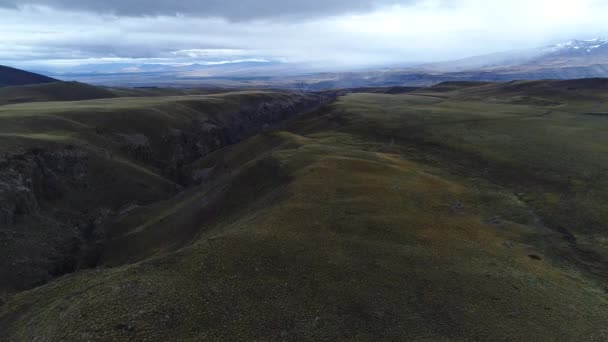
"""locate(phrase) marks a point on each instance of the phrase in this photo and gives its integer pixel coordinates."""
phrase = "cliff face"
(38, 175)
(206, 135)
(39, 240)
(56, 201)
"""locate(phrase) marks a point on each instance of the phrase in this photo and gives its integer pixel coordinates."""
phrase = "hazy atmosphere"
(329, 34)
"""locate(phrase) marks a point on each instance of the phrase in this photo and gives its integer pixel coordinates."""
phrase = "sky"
(63, 34)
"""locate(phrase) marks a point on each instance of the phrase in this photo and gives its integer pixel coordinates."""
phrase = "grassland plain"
(460, 212)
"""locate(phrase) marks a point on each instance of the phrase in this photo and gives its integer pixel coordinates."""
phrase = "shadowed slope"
(15, 77)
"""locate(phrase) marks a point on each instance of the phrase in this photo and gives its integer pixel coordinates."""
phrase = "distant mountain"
(482, 62)
(138, 75)
(572, 59)
(220, 69)
(15, 77)
(597, 47)
(216, 68)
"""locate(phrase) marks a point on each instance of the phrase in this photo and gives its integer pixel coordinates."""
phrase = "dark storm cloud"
(236, 10)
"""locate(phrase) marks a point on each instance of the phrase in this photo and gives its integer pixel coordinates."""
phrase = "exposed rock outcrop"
(37, 175)
(206, 135)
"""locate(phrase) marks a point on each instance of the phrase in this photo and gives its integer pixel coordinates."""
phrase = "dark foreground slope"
(460, 213)
(15, 77)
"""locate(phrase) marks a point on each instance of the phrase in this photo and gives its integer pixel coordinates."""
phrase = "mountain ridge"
(16, 77)
(573, 59)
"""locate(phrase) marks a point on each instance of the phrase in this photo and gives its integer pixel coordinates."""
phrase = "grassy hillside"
(465, 212)
(68, 167)
(75, 91)
(15, 77)
(56, 91)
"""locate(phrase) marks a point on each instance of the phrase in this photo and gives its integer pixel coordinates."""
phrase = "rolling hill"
(55, 91)
(15, 77)
(76, 91)
(464, 211)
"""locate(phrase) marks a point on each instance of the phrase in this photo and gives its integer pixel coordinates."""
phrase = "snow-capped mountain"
(579, 47)
(571, 59)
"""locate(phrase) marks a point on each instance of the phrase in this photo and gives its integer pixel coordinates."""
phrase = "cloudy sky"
(330, 33)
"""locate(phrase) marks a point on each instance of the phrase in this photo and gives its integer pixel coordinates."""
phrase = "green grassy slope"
(461, 214)
(67, 167)
(57, 91)
(91, 120)
(75, 91)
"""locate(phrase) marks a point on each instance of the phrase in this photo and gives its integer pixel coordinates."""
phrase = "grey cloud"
(427, 30)
(235, 10)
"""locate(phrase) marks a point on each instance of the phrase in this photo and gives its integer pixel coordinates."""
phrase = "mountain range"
(574, 53)
(568, 60)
